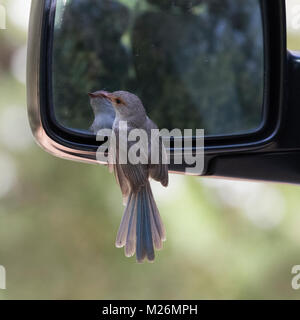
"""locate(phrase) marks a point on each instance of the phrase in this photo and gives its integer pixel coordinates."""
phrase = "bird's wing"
(158, 172)
(114, 167)
(136, 175)
(130, 177)
(123, 182)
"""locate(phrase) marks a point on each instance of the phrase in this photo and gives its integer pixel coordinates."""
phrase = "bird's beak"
(99, 94)
(92, 95)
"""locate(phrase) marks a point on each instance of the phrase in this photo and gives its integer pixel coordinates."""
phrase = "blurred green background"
(58, 219)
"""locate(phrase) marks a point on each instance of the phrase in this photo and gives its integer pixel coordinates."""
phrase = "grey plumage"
(103, 111)
(141, 230)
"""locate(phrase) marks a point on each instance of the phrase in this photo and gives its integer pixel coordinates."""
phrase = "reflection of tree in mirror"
(88, 55)
(193, 63)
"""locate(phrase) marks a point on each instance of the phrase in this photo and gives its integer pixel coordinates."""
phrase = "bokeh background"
(58, 219)
(206, 73)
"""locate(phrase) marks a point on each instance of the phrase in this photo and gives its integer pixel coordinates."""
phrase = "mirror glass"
(193, 63)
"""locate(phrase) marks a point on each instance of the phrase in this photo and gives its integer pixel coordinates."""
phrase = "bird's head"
(128, 106)
(100, 103)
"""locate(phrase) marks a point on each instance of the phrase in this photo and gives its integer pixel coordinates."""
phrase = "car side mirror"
(214, 65)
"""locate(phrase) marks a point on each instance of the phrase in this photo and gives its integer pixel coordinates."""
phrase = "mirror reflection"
(193, 63)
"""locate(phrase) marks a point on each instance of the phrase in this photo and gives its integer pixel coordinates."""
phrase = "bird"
(104, 112)
(141, 229)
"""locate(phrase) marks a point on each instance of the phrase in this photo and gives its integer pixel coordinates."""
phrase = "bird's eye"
(118, 101)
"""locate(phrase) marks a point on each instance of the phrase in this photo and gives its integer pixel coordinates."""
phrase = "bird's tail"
(141, 229)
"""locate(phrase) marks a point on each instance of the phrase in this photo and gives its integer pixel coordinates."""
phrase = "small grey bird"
(141, 229)
(103, 111)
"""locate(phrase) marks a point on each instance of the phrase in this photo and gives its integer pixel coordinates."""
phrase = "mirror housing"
(269, 153)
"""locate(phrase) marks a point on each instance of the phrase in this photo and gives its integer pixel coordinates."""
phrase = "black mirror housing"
(269, 153)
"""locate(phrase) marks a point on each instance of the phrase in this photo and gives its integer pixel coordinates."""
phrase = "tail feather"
(141, 229)
(156, 224)
(140, 246)
(130, 242)
(122, 233)
(147, 232)
(156, 216)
